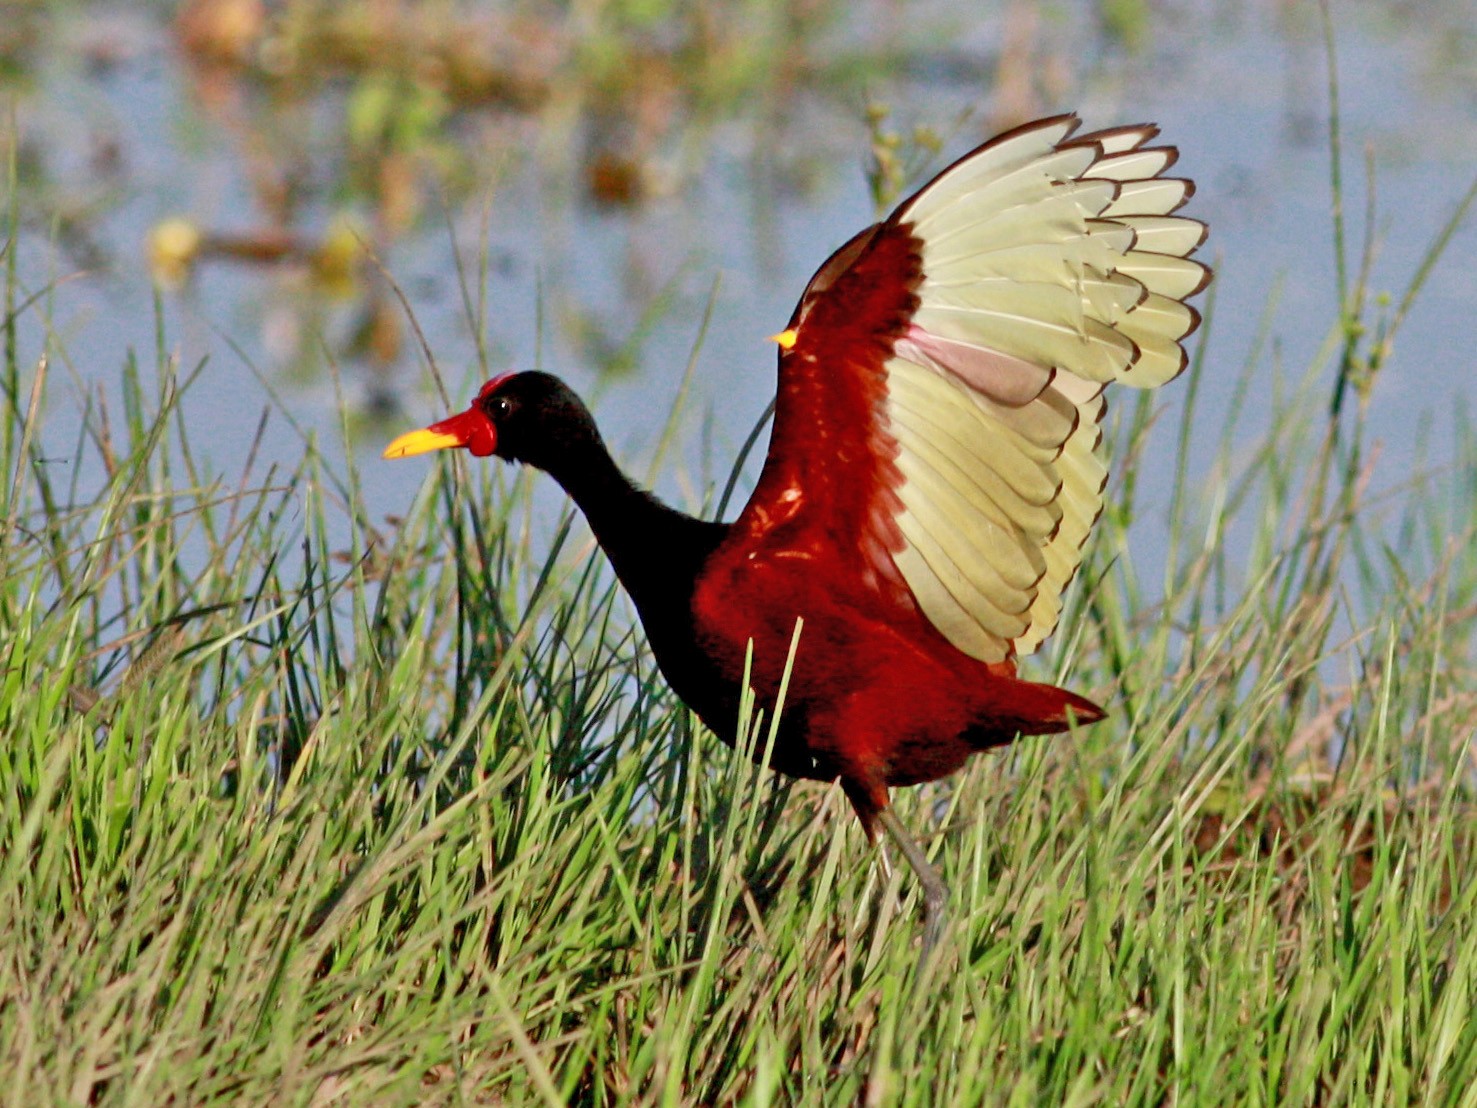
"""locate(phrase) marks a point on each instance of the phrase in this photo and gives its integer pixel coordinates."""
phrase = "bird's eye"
(499, 406)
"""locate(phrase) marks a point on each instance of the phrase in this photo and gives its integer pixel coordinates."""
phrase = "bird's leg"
(872, 808)
(935, 892)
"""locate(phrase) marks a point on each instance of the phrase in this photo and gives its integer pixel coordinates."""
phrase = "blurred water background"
(608, 189)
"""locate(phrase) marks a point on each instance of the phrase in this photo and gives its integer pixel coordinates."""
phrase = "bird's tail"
(1030, 708)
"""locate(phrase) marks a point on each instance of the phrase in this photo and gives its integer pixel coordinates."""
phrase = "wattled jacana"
(933, 471)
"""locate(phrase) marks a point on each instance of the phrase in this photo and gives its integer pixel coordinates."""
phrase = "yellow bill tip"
(785, 338)
(421, 442)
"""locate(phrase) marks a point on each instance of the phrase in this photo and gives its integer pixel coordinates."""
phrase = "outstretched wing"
(941, 388)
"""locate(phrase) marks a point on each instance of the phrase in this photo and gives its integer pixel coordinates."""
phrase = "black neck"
(657, 552)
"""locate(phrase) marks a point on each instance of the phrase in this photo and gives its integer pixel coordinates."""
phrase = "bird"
(935, 465)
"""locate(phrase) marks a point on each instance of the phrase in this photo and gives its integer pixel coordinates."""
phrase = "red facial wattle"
(471, 430)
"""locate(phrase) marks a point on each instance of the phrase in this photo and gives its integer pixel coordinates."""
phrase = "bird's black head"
(524, 417)
(536, 418)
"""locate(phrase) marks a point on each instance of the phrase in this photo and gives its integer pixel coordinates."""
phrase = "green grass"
(423, 825)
